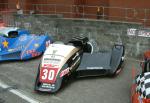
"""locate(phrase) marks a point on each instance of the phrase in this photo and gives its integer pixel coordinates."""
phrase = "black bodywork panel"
(105, 63)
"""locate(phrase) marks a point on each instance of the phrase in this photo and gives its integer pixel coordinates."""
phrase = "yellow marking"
(5, 44)
(36, 45)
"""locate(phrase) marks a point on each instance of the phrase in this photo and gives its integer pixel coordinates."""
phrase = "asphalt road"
(20, 76)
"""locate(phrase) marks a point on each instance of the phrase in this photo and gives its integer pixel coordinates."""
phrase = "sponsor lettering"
(144, 33)
(33, 53)
(49, 86)
(53, 54)
(136, 32)
(64, 72)
(131, 31)
(50, 65)
(52, 61)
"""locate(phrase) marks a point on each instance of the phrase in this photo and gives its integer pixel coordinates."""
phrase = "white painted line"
(18, 93)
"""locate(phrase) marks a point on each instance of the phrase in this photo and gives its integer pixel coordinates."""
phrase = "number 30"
(48, 74)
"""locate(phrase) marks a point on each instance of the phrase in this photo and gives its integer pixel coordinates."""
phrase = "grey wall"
(104, 33)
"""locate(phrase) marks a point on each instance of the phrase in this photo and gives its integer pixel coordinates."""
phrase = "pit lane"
(91, 90)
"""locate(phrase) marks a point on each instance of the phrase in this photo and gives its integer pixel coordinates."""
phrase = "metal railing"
(81, 11)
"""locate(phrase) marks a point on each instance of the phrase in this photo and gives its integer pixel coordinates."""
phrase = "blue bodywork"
(19, 44)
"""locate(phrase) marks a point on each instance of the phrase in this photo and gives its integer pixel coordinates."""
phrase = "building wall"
(3, 5)
(83, 8)
(87, 8)
(93, 6)
(52, 6)
(130, 3)
(137, 14)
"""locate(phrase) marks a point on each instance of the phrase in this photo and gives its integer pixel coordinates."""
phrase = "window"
(13, 34)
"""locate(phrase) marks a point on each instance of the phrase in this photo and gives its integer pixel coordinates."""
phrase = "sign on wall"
(138, 32)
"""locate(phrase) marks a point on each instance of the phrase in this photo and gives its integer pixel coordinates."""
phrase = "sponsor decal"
(94, 67)
(51, 61)
(50, 65)
(131, 31)
(48, 43)
(36, 45)
(23, 38)
(5, 44)
(64, 72)
(34, 53)
(136, 32)
(48, 75)
(49, 86)
(16, 49)
(47, 58)
(53, 54)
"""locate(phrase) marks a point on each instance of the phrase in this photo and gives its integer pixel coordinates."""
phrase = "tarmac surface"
(20, 77)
